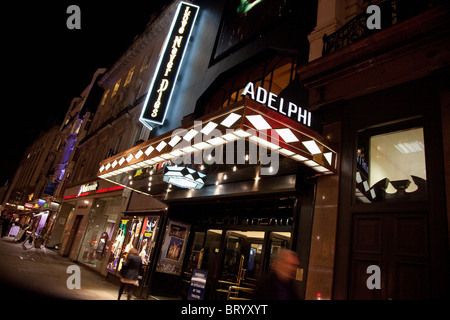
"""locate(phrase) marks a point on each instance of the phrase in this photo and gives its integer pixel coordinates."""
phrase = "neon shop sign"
(88, 188)
(162, 86)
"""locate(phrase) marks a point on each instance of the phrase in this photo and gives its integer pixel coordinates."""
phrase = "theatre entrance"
(237, 250)
(246, 256)
(234, 259)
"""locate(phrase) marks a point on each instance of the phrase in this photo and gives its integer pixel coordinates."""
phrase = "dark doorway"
(73, 233)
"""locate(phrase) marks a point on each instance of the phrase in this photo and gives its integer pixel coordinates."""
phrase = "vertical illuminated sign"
(163, 83)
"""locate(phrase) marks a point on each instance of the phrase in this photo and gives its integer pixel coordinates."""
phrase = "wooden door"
(398, 244)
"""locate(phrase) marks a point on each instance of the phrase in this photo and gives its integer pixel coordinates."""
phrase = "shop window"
(102, 219)
(116, 248)
(138, 233)
(391, 164)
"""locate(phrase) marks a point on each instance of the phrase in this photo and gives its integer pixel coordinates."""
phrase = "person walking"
(6, 223)
(130, 273)
(279, 284)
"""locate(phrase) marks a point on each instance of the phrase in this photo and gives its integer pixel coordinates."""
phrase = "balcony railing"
(392, 13)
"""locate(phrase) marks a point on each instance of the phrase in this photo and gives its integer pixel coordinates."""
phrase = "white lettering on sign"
(88, 188)
(163, 87)
(164, 80)
(278, 104)
(173, 54)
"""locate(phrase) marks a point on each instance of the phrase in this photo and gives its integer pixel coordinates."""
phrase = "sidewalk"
(29, 273)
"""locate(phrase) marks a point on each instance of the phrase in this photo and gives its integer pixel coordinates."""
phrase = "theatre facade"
(255, 146)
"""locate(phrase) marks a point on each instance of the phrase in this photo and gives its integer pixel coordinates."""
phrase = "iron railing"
(392, 13)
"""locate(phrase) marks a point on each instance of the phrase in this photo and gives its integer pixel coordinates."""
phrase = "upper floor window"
(129, 76)
(273, 74)
(105, 96)
(116, 88)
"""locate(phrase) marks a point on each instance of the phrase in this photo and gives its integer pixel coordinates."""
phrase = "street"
(30, 273)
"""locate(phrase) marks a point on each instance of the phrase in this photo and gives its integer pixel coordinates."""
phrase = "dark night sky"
(47, 65)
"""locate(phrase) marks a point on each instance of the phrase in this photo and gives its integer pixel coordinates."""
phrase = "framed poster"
(116, 248)
(173, 249)
(147, 238)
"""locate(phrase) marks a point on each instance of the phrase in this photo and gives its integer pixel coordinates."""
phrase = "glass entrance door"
(278, 241)
(242, 263)
(203, 255)
(235, 260)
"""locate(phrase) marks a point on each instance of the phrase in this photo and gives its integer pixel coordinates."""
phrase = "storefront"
(234, 196)
(58, 227)
(234, 240)
(339, 159)
(138, 227)
(35, 218)
(238, 178)
(91, 211)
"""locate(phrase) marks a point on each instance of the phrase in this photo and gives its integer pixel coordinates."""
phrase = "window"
(391, 165)
(116, 88)
(274, 74)
(146, 62)
(105, 96)
(129, 76)
(102, 219)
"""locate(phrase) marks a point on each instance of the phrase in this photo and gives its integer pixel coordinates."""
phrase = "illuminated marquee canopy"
(163, 82)
(251, 121)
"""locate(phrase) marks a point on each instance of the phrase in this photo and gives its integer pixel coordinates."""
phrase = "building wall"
(403, 67)
(445, 111)
(115, 126)
(331, 15)
(34, 169)
(73, 129)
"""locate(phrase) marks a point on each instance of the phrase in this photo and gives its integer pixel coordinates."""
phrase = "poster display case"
(134, 232)
(173, 249)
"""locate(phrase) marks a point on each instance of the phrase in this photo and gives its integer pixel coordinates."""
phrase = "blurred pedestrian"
(130, 273)
(5, 226)
(279, 284)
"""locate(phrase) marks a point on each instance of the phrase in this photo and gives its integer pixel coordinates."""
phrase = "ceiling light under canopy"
(184, 177)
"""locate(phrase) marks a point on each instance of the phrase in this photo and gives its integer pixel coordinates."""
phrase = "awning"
(250, 121)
